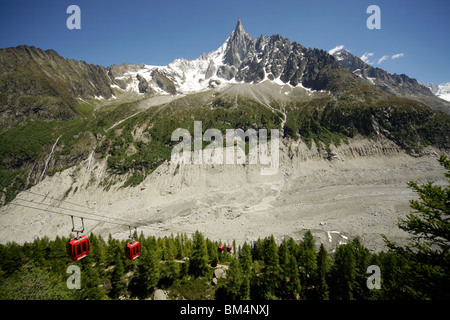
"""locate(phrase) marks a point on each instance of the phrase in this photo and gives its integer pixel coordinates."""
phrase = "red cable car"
(229, 247)
(78, 248)
(133, 249)
(220, 249)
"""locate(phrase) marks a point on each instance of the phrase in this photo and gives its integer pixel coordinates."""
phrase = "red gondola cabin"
(78, 248)
(133, 249)
(220, 249)
(229, 247)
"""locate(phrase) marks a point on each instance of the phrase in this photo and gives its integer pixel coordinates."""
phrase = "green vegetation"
(428, 251)
(408, 123)
(20, 146)
(184, 266)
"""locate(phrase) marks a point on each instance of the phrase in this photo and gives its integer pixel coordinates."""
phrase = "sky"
(413, 38)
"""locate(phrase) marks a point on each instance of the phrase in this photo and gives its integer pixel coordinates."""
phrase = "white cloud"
(382, 59)
(398, 55)
(365, 57)
(336, 49)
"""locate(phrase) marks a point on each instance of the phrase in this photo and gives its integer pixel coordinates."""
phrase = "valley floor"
(361, 192)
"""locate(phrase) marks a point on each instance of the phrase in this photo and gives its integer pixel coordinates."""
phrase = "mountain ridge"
(399, 85)
(38, 84)
(240, 59)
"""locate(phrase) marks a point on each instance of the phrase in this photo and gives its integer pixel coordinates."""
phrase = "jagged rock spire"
(238, 46)
(239, 28)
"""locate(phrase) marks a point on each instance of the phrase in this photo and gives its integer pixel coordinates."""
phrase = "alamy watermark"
(374, 21)
(74, 20)
(374, 280)
(259, 149)
(74, 281)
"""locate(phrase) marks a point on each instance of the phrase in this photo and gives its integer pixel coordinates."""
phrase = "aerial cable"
(76, 204)
(79, 211)
(70, 215)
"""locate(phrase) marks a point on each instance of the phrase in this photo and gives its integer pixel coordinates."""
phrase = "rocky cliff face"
(275, 58)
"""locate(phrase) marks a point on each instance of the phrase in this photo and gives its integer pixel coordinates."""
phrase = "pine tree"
(245, 259)
(307, 262)
(40, 250)
(258, 250)
(396, 271)
(343, 274)
(283, 254)
(293, 248)
(118, 282)
(271, 270)
(112, 246)
(362, 259)
(90, 282)
(322, 269)
(179, 254)
(293, 286)
(58, 255)
(147, 273)
(234, 280)
(31, 282)
(212, 253)
(170, 266)
(429, 249)
(198, 261)
(98, 253)
(245, 289)
(13, 256)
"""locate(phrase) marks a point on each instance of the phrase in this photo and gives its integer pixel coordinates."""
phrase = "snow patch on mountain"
(188, 76)
(441, 90)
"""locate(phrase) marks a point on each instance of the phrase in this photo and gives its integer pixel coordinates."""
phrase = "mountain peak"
(238, 45)
(239, 28)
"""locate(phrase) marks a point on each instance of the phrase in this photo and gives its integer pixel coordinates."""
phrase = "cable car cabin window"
(84, 244)
(70, 249)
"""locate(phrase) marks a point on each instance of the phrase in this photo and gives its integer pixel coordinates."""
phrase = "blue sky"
(157, 32)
